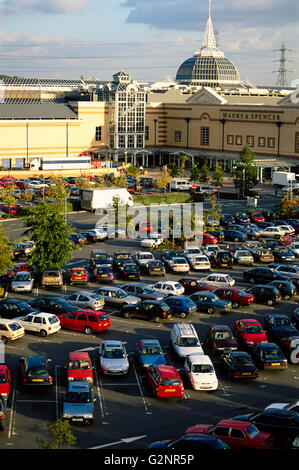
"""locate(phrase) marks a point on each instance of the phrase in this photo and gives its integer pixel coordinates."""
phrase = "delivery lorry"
(68, 163)
(93, 199)
(283, 178)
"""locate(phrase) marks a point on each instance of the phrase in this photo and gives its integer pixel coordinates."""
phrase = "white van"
(201, 372)
(179, 184)
(184, 340)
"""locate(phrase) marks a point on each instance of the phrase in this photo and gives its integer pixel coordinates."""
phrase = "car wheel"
(4, 339)
(210, 310)
(251, 280)
(43, 333)
(183, 315)
(157, 319)
(127, 315)
(287, 297)
(236, 239)
(236, 305)
(87, 330)
(270, 302)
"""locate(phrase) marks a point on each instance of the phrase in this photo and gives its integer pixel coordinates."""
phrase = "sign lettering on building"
(252, 116)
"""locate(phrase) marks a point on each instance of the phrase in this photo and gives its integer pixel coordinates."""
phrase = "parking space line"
(12, 413)
(119, 384)
(101, 398)
(141, 391)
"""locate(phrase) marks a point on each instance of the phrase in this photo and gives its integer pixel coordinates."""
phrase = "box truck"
(92, 199)
(68, 163)
(283, 178)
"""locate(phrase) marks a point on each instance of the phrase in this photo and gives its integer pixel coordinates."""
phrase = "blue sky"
(147, 38)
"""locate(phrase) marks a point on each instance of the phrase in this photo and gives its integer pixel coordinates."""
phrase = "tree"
(62, 436)
(58, 191)
(5, 252)
(245, 172)
(195, 174)
(204, 173)
(7, 197)
(214, 212)
(50, 234)
(217, 178)
(163, 181)
(121, 181)
(184, 159)
(173, 169)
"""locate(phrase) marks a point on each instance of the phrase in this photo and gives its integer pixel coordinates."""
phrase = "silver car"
(116, 296)
(113, 358)
(86, 300)
(78, 405)
(22, 282)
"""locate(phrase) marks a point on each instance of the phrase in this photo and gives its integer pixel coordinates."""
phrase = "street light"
(187, 119)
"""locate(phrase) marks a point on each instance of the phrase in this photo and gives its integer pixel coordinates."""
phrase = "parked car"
(116, 297)
(42, 323)
(279, 327)
(243, 257)
(143, 291)
(241, 217)
(5, 381)
(35, 371)
(219, 280)
(184, 340)
(120, 258)
(220, 338)
(201, 373)
(265, 294)
(130, 271)
(178, 265)
(295, 317)
(104, 273)
(262, 255)
(234, 235)
(222, 259)
(79, 367)
(148, 310)
(169, 287)
(209, 302)
(237, 434)
(217, 233)
(152, 241)
(226, 219)
(113, 358)
(78, 403)
(292, 406)
(150, 353)
(56, 305)
(181, 305)
(236, 296)
(262, 275)
(52, 278)
(78, 276)
(11, 308)
(272, 232)
(99, 258)
(249, 332)
(192, 284)
(87, 321)
(155, 268)
(85, 300)
(268, 356)
(208, 239)
(257, 218)
(283, 254)
(199, 262)
(143, 257)
(165, 382)
(22, 282)
(286, 288)
(190, 442)
(238, 365)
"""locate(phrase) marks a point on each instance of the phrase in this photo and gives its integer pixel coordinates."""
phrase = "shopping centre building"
(207, 112)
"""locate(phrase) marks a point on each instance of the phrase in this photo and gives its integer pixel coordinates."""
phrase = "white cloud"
(14, 7)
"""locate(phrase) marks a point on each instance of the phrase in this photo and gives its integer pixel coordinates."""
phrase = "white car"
(199, 262)
(143, 257)
(101, 234)
(209, 250)
(243, 257)
(86, 300)
(152, 242)
(178, 265)
(201, 372)
(219, 280)
(42, 323)
(111, 231)
(288, 229)
(272, 232)
(22, 282)
(295, 248)
(293, 406)
(169, 288)
(113, 358)
(192, 251)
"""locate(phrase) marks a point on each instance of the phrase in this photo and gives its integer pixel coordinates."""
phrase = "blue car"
(243, 218)
(234, 236)
(206, 301)
(180, 305)
(283, 254)
(227, 219)
(150, 353)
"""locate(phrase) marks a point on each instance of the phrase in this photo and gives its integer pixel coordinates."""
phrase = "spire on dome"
(209, 45)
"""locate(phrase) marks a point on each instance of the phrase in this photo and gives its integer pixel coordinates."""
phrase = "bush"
(168, 198)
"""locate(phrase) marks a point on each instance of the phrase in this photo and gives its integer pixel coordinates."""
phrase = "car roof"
(220, 327)
(113, 343)
(233, 423)
(79, 386)
(249, 320)
(150, 342)
(167, 371)
(36, 361)
(199, 358)
(77, 355)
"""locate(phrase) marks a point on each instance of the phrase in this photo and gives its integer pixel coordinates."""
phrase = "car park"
(169, 288)
(236, 434)
(35, 371)
(78, 403)
(238, 365)
(42, 323)
(181, 305)
(220, 338)
(142, 290)
(113, 358)
(87, 321)
(184, 340)
(209, 302)
(116, 297)
(148, 310)
(236, 296)
(79, 367)
(201, 373)
(86, 300)
(265, 294)
(150, 353)
(249, 332)
(268, 356)
(165, 382)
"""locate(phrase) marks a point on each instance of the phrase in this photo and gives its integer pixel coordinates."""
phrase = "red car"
(255, 218)
(237, 434)
(5, 381)
(235, 295)
(79, 367)
(192, 285)
(146, 227)
(208, 239)
(88, 321)
(78, 276)
(219, 338)
(249, 332)
(21, 267)
(286, 240)
(165, 381)
(12, 210)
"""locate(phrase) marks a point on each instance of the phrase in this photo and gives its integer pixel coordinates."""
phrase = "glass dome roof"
(207, 71)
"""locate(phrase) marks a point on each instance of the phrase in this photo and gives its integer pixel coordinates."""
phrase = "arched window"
(205, 117)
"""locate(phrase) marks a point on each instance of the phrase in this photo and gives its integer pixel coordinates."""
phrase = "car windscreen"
(280, 322)
(100, 257)
(219, 335)
(170, 381)
(39, 372)
(202, 368)
(189, 342)
(253, 329)
(269, 354)
(113, 353)
(242, 293)
(252, 431)
(152, 351)
(23, 277)
(53, 320)
(78, 273)
(78, 397)
(130, 268)
(79, 365)
(165, 307)
(14, 326)
(242, 361)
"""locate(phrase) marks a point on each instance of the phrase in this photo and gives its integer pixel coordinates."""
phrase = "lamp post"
(279, 124)
(223, 121)
(155, 138)
(187, 119)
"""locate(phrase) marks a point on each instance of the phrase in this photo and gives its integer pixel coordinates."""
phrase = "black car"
(265, 294)
(264, 225)
(120, 258)
(283, 424)
(130, 271)
(90, 237)
(295, 318)
(168, 254)
(286, 288)
(270, 243)
(268, 356)
(283, 254)
(103, 273)
(99, 258)
(222, 259)
(238, 365)
(143, 291)
(279, 326)
(11, 308)
(148, 309)
(55, 305)
(262, 275)
(190, 442)
(35, 371)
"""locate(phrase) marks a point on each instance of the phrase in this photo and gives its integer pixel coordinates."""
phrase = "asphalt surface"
(126, 415)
